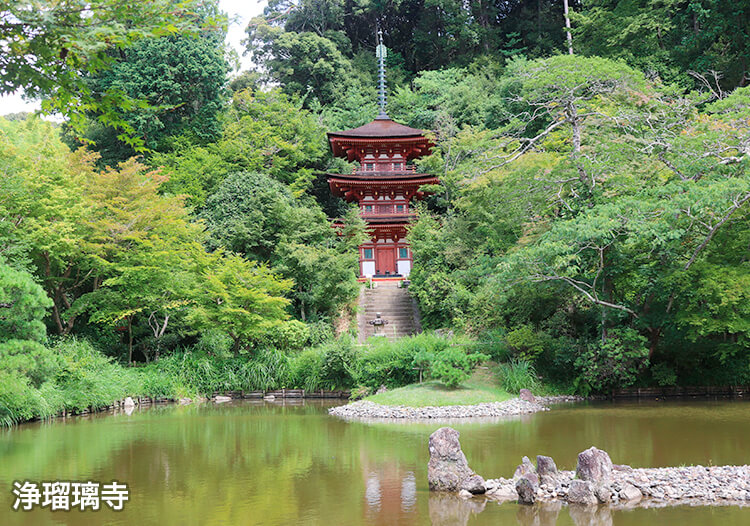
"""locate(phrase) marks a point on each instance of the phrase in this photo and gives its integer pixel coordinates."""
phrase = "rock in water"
(526, 489)
(524, 468)
(545, 465)
(525, 394)
(128, 402)
(474, 485)
(594, 465)
(630, 493)
(448, 469)
(581, 492)
(547, 470)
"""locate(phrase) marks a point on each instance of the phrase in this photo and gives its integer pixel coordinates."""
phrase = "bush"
(493, 343)
(89, 379)
(338, 369)
(615, 362)
(305, 369)
(215, 342)
(516, 375)
(388, 363)
(453, 366)
(526, 344)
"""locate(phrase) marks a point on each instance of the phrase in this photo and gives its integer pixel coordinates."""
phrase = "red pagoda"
(383, 185)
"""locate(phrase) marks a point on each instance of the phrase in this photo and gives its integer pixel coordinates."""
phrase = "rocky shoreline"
(364, 409)
(595, 481)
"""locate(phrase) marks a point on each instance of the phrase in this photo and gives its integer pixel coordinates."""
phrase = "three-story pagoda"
(384, 185)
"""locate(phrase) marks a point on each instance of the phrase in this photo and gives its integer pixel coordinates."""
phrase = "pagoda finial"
(381, 52)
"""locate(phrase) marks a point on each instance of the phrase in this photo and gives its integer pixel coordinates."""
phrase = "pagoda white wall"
(368, 268)
(404, 267)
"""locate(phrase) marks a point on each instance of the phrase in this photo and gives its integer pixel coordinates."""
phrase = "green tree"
(50, 49)
(243, 299)
(23, 305)
(180, 78)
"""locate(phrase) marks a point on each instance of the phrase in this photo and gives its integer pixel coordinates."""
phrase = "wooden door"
(385, 261)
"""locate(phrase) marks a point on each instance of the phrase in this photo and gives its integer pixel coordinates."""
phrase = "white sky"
(241, 10)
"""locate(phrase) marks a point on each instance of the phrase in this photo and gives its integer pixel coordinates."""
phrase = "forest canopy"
(591, 221)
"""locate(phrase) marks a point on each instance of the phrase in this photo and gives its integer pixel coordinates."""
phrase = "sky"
(241, 10)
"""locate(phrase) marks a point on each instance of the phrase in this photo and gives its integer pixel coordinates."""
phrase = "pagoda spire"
(381, 53)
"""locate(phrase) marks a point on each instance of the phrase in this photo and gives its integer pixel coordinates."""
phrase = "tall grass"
(515, 375)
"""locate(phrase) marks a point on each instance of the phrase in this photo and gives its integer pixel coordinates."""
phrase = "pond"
(282, 463)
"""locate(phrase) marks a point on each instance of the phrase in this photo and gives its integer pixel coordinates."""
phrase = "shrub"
(516, 375)
(493, 343)
(453, 366)
(387, 363)
(614, 362)
(526, 344)
(305, 369)
(89, 379)
(215, 342)
(338, 369)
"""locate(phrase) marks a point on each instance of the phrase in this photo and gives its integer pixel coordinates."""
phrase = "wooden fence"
(235, 395)
(684, 392)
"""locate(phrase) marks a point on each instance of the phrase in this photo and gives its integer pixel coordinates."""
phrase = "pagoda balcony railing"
(407, 170)
(374, 214)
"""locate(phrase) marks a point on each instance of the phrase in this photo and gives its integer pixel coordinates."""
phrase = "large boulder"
(581, 492)
(594, 465)
(547, 470)
(526, 487)
(448, 469)
(524, 468)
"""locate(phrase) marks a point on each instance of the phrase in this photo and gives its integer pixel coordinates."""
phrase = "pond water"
(274, 463)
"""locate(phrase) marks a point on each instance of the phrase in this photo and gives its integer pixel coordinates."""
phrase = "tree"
(47, 222)
(239, 297)
(303, 63)
(23, 305)
(264, 132)
(256, 216)
(50, 48)
(180, 78)
(147, 251)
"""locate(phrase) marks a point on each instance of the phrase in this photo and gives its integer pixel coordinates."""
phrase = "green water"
(249, 464)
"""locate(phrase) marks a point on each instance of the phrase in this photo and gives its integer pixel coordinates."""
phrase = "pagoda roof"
(382, 127)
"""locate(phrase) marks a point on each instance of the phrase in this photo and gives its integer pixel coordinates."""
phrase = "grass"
(481, 387)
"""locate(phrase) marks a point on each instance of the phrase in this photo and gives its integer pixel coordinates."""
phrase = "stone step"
(395, 306)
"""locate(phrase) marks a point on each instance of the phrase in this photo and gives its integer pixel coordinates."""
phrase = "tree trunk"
(567, 26)
(130, 340)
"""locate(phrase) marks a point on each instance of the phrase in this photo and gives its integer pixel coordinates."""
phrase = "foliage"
(525, 344)
(515, 375)
(453, 366)
(50, 50)
(244, 299)
(615, 361)
(263, 131)
(180, 78)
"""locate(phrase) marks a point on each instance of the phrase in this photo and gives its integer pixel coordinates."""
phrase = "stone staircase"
(394, 304)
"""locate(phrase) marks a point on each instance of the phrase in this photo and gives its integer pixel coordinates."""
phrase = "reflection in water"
(259, 463)
(372, 491)
(447, 509)
(540, 514)
(591, 515)
(408, 492)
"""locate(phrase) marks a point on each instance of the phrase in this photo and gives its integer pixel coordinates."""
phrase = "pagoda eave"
(353, 188)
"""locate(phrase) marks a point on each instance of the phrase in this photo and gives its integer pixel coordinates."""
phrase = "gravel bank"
(648, 487)
(514, 406)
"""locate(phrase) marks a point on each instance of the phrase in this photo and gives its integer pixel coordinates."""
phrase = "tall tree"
(50, 48)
